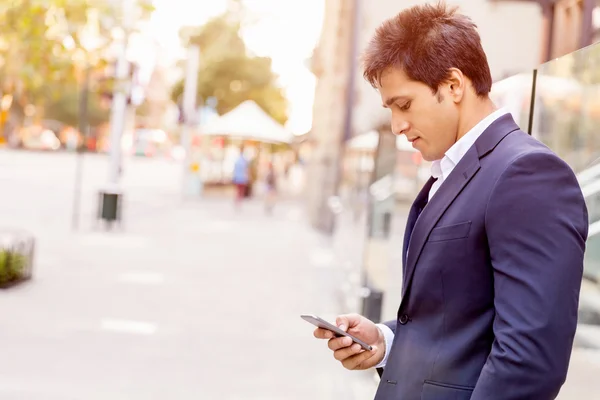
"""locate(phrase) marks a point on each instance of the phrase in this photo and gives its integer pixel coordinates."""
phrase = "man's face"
(429, 121)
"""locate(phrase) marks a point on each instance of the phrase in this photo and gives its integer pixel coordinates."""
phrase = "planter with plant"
(16, 259)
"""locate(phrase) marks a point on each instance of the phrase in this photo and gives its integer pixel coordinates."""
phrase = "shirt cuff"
(388, 337)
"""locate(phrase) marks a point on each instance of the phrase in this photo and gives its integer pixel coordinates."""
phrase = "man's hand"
(350, 354)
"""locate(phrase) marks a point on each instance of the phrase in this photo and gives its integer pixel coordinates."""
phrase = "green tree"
(43, 56)
(228, 73)
(65, 108)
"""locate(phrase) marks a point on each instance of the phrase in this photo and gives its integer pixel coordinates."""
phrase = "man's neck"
(477, 111)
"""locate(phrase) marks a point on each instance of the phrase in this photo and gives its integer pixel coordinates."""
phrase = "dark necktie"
(415, 212)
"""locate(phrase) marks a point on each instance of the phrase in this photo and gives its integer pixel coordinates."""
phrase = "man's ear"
(456, 84)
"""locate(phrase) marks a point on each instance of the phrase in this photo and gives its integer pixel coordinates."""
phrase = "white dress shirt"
(441, 169)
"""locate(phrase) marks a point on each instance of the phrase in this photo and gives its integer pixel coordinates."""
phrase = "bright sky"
(286, 31)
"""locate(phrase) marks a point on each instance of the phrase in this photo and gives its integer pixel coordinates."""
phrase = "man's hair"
(425, 41)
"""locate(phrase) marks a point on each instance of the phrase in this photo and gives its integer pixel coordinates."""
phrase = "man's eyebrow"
(393, 99)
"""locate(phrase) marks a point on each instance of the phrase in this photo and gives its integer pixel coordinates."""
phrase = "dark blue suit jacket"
(492, 278)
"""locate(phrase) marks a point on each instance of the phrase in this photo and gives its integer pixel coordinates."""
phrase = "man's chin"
(427, 157)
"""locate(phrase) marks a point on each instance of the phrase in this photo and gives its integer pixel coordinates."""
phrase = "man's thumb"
(342, 322)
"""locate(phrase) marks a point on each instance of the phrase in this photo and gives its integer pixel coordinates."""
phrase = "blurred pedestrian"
(270, 188)
(252, 176)
(241, 177)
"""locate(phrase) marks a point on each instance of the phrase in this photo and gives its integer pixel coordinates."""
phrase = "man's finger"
(339, 343)
(323, 333)
(347, 321)
(346, 352)
(355, 361)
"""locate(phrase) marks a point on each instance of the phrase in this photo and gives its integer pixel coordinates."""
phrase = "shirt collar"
(436, 169)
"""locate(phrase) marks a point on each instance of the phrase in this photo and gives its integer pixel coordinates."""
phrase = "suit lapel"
(449, 189)
(461, 175)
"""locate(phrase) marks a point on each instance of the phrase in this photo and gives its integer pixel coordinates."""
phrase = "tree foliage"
(228, 73)
(43, 54)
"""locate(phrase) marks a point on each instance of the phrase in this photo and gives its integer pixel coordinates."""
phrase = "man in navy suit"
(494, 244)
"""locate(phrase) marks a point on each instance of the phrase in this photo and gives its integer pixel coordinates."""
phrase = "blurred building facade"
(567, 25)
(331, 64)
(511, 35)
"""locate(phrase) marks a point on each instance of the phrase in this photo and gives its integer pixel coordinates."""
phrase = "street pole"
(119, 102)
(328, 224)
(190, 183)
(109, 208)
(83, 129)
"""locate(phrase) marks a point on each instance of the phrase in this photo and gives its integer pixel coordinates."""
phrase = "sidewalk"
(188, 302)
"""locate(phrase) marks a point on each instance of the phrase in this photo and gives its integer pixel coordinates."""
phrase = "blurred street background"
(181, 180)
(189, 300)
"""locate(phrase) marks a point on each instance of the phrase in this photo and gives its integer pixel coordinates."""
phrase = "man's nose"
(400, 127)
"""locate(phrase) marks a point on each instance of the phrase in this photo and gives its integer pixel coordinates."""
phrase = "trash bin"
(372, 304)
(109, 205)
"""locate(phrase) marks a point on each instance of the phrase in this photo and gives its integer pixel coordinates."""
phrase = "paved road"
(189, 301)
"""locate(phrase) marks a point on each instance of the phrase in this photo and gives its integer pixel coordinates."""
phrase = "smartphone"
(321, 323)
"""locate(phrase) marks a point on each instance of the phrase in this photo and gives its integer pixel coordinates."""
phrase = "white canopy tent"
(248, 121)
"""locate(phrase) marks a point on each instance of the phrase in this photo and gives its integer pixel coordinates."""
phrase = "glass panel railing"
(589, 299)
(567, 110)
(589, 175)
(566, 117)
(592, 255)
(514, 95)
(591, 192)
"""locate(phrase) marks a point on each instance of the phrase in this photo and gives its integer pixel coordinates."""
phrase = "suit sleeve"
(537, 224)
(391, 324)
